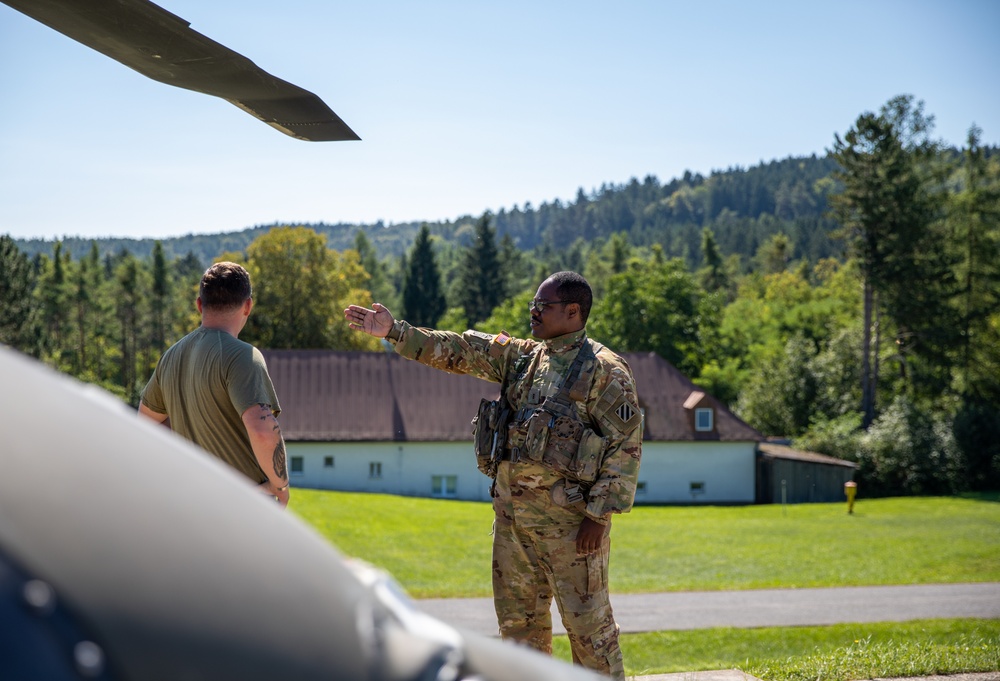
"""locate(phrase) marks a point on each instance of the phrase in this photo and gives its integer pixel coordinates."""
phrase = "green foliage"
(781, 393)
(838, 436)
(908, 450)
(301, 289)
(423, 297)
(511, 316)
(17, 282)
(379, 282)
(481, 282)
(454, 320)
(651, 306)
(887, 211)
(739, 278)
(974, 223)
(977, 434)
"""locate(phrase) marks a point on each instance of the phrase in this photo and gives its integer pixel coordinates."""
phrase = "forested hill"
(742, 206)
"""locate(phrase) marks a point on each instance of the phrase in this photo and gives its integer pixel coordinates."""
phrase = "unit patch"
(625, 412)
(617, 410)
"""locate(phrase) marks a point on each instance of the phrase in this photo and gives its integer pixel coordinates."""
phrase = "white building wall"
(671, 472)
(697, 473)
(407, 468)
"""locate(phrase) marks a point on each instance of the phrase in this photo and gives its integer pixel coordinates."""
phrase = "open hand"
(376, 322)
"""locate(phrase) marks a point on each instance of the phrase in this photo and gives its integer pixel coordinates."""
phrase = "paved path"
(760, 608)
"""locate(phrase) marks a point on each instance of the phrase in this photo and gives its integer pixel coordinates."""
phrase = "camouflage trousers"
(530, 566)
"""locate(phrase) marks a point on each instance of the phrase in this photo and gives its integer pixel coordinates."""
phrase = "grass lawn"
(840, 652)
(437, 548)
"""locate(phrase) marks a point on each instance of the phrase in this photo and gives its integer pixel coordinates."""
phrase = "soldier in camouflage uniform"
(569, 461)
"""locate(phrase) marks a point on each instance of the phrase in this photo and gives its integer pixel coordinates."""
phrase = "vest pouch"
(537, 436)
(484, 435)
(564, 440)
(587, 462)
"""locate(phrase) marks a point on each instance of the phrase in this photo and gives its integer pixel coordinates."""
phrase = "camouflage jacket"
(531, 371)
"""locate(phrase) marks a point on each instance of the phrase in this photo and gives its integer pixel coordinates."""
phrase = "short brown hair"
(224, 286)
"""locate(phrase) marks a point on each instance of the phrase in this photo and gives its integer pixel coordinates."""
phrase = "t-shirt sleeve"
(152, 396)
(249, 382)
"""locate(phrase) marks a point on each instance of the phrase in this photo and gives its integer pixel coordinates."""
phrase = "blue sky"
(466, 106)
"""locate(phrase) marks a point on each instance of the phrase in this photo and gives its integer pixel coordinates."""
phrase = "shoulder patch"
(617, 409)
(478, 339)
(499, 344)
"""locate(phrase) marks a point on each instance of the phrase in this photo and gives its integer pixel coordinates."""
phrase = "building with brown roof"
(376, 422)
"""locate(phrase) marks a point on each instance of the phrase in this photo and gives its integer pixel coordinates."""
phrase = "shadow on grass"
(981, 496)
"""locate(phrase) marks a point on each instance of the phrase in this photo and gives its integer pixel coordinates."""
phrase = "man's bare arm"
(153, 415)
(268, 448)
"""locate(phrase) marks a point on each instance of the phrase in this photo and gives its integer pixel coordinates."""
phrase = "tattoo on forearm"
(280, 469)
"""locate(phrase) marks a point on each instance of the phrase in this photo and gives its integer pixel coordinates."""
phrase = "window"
(327, 462)
(297, 465)
(444, 486)
(375, 469)
(703, 419)
(697, 488)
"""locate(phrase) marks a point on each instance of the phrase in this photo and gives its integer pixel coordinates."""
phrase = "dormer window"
(700, 413)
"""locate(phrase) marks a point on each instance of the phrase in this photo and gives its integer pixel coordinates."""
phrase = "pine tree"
(976, 236)
(885, 212)
(159, 300)
(129, 296)
(17, 281)
(53, 296)
(423, 299)
(712, 273)
(481, 281)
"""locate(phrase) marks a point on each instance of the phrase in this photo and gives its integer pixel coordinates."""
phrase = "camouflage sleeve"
(614, 408)
(479, 354)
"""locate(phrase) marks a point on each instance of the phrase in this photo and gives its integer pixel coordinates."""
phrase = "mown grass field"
(438, 548)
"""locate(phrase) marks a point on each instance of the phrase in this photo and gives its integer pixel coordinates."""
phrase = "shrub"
(977, 435)
(910, 451)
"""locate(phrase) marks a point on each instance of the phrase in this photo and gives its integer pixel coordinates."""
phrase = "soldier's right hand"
(375, 322)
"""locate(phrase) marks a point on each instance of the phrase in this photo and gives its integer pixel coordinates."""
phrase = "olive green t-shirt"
(204, 383)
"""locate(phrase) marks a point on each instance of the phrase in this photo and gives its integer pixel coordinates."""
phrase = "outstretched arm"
(269, 449)
(376, 322)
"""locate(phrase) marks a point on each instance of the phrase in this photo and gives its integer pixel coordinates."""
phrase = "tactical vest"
(552, 433)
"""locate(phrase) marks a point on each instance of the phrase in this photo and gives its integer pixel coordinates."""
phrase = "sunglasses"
(540, 305)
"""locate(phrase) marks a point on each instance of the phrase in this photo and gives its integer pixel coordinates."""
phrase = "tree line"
(853, 308)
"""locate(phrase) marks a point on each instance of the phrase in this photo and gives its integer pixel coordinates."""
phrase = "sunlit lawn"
(438, 548)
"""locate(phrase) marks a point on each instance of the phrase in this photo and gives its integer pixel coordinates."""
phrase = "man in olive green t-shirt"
(214, 389)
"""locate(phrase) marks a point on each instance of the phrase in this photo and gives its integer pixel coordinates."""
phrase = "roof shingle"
(336, 396)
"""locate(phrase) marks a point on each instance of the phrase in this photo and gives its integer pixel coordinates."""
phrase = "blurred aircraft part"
(128, 553)
(162, 46)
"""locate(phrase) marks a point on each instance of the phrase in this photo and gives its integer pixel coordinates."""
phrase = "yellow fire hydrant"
(850, 489)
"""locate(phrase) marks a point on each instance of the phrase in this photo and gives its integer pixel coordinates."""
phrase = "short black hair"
(225, 286)
(573, 288)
